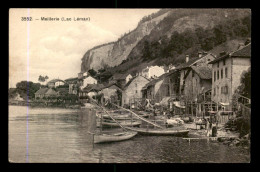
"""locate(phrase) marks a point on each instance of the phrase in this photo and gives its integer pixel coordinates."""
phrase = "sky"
(55, 48)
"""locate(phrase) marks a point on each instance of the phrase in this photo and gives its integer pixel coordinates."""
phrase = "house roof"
(42, 91)
(192, 61)
(130, 81)
(119, 76)
(72, 79)
(51, 92)
(93, 87)
(83, 77)
(243, 52)
(204, 72)
(154, 81)
(55, 80)
(111, 84)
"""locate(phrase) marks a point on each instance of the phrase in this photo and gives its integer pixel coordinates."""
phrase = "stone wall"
(134, 89)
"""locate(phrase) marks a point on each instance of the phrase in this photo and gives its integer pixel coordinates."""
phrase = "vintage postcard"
(129, 85)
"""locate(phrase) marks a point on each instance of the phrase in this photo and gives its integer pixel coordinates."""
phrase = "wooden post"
(204, 111)
(192, 110)
(132, 119)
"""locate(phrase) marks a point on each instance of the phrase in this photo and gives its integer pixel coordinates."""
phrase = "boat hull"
(159, 132)
(105, 138)
(123, 117)
(124, 124)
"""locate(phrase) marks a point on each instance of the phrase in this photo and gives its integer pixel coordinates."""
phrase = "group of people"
(211, 124)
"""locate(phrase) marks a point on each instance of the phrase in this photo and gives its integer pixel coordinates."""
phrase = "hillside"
(168, 35)
(112, 54)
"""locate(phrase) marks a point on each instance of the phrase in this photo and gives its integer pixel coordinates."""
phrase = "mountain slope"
(112, 54)
(126, 54)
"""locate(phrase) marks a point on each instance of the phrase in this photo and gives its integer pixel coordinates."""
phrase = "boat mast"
(140, 117)
(108, 115)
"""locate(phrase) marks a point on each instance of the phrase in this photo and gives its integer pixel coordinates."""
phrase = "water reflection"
(62, 136)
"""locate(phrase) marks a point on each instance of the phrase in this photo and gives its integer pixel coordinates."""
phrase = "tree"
(43, 78)
(244, 88)
(146, 51)
(27, 89)
(92, 72)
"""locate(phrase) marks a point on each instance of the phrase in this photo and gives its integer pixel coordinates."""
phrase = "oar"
(139, 117)
(108, 114)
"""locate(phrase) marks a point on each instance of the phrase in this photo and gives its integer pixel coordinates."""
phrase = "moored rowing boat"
(102, 138)
(122, 123)
(159, 132)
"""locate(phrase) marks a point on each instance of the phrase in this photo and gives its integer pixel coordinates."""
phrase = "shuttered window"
(224, 90)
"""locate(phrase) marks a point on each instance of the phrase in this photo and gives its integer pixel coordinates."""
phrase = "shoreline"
(76, 106)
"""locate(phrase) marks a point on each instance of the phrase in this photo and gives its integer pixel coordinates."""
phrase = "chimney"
(187, 58)
(241, 45)
(222, 53)
(200, 54)
(248, 41)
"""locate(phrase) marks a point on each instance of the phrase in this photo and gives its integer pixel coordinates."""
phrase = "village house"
(16, 99)
(202, 60)
(167, 85)
(197, 80)
(112, 90)
(128, 77)
(90, 90)
(85, 80)
(170, 67)
(82, 74)
(157, 89)
(55, 83)
(120, 79)
(45, 92)
(73, 85)
(132, 90)
(226, 74)
(153, 71)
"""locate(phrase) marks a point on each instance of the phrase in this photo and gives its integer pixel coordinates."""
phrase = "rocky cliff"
(125, 52)
(112, 54)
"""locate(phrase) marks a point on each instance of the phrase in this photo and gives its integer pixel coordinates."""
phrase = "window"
(226, 72)
(192, 73)
(224, 90)
(136, 84)
(217, 75)
(214, 75)
(224, 62)
(218, 64)
(221, 73)
(135, 91)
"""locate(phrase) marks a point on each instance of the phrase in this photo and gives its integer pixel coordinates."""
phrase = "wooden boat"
(159, 132)
(123, 117)
(115, 137)
(102, 138)
(122, 123)
(117, 117)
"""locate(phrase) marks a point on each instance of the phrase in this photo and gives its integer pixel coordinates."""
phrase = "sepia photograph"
(120, 85)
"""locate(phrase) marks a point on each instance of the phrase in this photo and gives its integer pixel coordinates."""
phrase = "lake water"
(60, 135)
